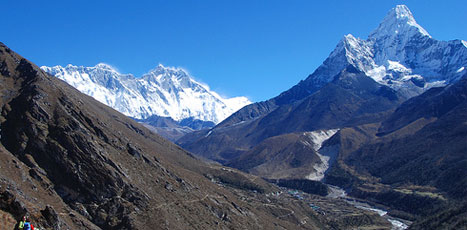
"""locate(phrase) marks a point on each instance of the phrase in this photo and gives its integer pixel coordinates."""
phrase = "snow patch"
(209, 133)
(377, 74)
(397, 66)
(429, 85)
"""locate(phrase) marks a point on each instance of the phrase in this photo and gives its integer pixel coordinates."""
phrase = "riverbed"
(338, 193)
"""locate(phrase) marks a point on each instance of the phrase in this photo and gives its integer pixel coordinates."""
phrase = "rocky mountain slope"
(70, 162)
(351, 99)
(397, 101)
(414, 161)
(398, 60)
(424, 142)
(399, 54)
(164, 92)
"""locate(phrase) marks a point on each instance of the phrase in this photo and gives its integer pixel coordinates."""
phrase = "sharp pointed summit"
(399, 53)
(399, 20)
(399, 60)
(395, 33)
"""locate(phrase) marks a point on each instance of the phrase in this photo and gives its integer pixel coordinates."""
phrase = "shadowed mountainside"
(415, 161)
(350, 99)
(71, 162)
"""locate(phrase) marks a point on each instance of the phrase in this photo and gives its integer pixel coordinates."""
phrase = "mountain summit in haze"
(163, 91)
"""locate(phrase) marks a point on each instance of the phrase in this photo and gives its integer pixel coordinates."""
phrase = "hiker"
(28, 225)
(21, 223)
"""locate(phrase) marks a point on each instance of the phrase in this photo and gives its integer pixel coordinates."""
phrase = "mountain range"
(399, 50)
(71, 162)
(164, 93)
(389, 114)
(399, 60)
(380, 124)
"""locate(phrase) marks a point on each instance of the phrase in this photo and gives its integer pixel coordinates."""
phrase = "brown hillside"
(70, 162)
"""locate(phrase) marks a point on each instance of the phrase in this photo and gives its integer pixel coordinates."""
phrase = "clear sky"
(247, 48)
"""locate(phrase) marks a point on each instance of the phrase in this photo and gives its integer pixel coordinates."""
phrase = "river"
(397, 224)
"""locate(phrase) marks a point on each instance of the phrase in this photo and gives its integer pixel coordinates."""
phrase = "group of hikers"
(25, 224)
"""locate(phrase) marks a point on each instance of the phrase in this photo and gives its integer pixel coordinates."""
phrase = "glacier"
(163, 91)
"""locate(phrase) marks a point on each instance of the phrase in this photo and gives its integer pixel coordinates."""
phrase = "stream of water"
(336, 192)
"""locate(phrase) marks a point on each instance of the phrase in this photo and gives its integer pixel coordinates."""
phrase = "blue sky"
(247, 48)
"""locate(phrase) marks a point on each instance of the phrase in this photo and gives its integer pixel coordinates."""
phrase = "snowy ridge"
(164, 91)
(400, 54)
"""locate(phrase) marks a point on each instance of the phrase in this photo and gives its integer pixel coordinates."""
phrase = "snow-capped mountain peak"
(404, 15)
(163, 91)
(104, 66)
(357, 52)
(399, 20)
(168, 77)
(399, 54)
(163, 70)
